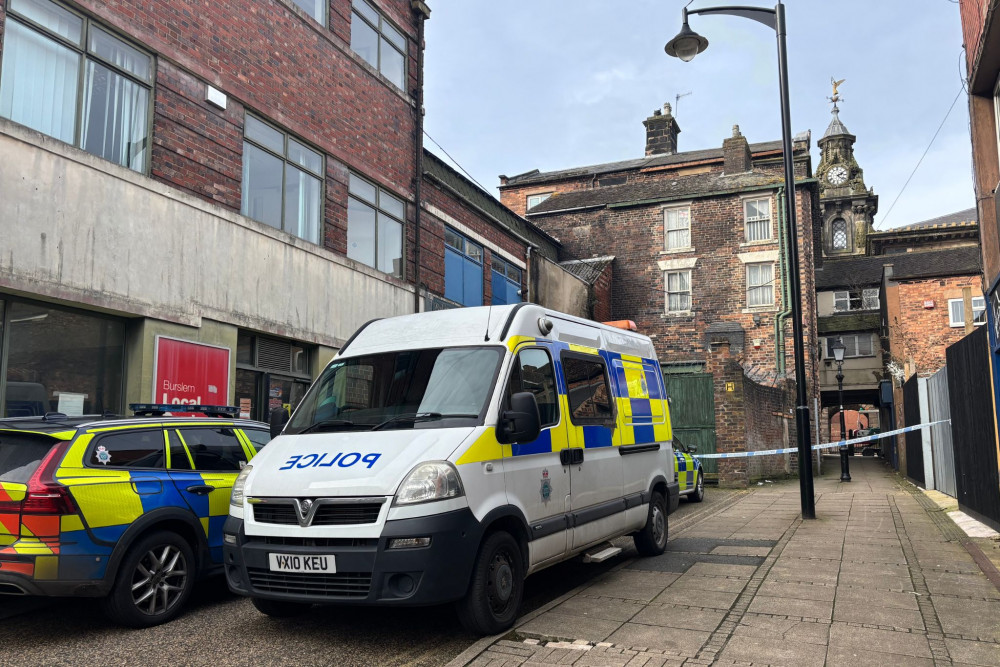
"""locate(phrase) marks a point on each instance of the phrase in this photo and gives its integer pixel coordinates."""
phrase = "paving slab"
(568, 627)
(969, 618)
(721, 570)
(961, 585)
(973, 653)
(862, 640)
(670, 616)
(860, 612)
(686, 642)
(882, 599)
(777, 629)
(696, 598)
(631, 584)
(768, 652)
(598, 607)
(703, 583)
(820, 609)
(781, 589)
(855, 657)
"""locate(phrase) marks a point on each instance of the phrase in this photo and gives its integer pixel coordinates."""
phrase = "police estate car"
(130, 509)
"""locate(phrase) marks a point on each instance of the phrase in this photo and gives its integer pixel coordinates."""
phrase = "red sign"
(189, 373)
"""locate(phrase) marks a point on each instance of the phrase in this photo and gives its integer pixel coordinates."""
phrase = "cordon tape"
(825, 445)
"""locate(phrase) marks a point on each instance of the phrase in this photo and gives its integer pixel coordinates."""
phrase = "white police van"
(445, 456)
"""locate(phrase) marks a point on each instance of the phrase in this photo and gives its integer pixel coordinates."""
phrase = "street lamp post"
(686, 45)
(838, 355)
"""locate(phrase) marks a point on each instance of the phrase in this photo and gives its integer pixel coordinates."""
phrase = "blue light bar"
(160, 409)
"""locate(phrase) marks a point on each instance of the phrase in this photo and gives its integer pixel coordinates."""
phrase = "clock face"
(837, 175)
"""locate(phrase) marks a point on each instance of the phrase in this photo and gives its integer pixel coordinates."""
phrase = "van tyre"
(497, 585)
(280, 608)
(154, 581)
(698, 494)
(652, 539)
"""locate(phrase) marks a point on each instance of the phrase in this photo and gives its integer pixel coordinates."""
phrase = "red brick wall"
(973, 21)
(601, 296)
(919, 336)
(770, 424)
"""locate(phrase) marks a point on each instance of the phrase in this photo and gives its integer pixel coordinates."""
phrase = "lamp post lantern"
(838, 349)
(686, 45)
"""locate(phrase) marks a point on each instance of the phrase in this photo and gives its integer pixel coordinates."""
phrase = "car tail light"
(44, 494)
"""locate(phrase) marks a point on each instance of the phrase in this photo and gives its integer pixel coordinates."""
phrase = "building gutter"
(779, 319)
(423, 13)
(690, 196)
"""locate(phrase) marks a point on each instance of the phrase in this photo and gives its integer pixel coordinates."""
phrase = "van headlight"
(436, 480)
(236, 499)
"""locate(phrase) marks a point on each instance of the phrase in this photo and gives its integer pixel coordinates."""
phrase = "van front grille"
(339, 585)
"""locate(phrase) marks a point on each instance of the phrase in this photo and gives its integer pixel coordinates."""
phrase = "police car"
(130, 509)
(690, 474)
(445, 456)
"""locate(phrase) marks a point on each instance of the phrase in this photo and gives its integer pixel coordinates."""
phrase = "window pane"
(589, 399)
(390, 246)
(453, 239)
(265, 135)
(364, 40)
(313, 8)
(393, 35)
(361, 188)
(393, 65)
(58, 358)
(244, 348)
(538, 377)
(366, 10)
(120, 54)
(135, 449)
(39, 82)
(956, 309)
(114, 117)
(261, 185)
(472, 283)
(474, 251)
(839, 235)
(360, 232)
(60, 21)
(865, 346)
(678, 219)
(215, 449)
(453, 275)
(179, 459)
(391, 205)
(498, 285)
(305, 157)
(302, 204)
(514, 273)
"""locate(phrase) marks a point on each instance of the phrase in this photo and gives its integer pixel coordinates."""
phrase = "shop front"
(270, 373)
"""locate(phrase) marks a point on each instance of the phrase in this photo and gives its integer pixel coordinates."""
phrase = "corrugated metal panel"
(941, 442)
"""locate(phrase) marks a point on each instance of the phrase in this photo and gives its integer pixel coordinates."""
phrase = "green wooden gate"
(692, 412)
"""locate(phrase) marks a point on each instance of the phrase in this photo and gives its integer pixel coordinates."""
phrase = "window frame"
(747, 221)
(181, 428)
(610, 421)
(323, 20)
(286, 137)
(466, 241)
(99, 437)
(830, 340)
(833, 235)
(666, 231)
(527, 200)
(667, 292)
(507, 266)
(961, 323)
(82, 49)
(769, 284)
(405, 52)
(379, 210)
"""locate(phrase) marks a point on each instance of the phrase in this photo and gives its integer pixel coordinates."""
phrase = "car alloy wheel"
(159, 580)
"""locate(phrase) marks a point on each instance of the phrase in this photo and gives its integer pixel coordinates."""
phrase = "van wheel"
(154, 581)
(652, 539)
(280, 608)
(497, 585)
(698, 494)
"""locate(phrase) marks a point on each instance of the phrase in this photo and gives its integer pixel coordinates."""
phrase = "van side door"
(536, 481)
(597, 505)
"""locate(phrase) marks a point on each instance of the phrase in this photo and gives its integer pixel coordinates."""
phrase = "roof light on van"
(627, 325)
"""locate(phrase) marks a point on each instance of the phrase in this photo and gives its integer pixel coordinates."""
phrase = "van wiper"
(415, 417)
(326, 423)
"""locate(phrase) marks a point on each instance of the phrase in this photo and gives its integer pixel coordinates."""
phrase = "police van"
(445, 456)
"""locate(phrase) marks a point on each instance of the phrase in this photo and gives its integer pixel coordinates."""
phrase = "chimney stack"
(736, 154)
(661, 132)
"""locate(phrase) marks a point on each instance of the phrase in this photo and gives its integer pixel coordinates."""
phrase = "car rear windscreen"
(20, 455)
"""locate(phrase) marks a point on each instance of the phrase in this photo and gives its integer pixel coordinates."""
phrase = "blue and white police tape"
(825, 445)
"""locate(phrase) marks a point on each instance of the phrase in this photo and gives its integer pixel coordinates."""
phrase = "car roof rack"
(161, 409)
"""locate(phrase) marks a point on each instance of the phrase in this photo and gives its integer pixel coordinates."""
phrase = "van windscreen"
(404, 389)
(20, 454)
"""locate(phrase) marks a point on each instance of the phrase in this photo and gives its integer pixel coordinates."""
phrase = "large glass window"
(282, 181)
(68, 78)
(463, 269)
(857, 345)
(587, 388)
(677, 223)
(839, 233)
(757, 219)
(405, 389)
(760, 284)
(506, 282)
(375, 227)
(534, 200)
(956, 311)
(61, 361)
(678, 291)
(378, 42)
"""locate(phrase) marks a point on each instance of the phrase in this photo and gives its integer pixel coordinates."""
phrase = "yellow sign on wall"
(730, 386)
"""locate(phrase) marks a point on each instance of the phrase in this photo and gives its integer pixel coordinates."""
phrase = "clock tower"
(847, 207)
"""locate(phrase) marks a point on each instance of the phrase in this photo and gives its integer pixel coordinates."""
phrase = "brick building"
(235, 183)
(699, 264)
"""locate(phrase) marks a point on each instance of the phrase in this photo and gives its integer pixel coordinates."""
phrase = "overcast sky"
(551, 84)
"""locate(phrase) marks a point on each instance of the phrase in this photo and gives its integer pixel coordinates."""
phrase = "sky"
(552, 84)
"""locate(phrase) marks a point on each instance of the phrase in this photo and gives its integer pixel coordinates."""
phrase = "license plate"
(299, 563)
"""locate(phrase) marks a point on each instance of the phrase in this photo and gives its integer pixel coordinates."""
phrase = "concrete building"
(699, 264)
(202, 202)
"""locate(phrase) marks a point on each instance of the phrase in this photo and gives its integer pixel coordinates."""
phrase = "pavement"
(882, 576)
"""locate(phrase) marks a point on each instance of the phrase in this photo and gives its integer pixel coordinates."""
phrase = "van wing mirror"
(521, 423)
(277, 420)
